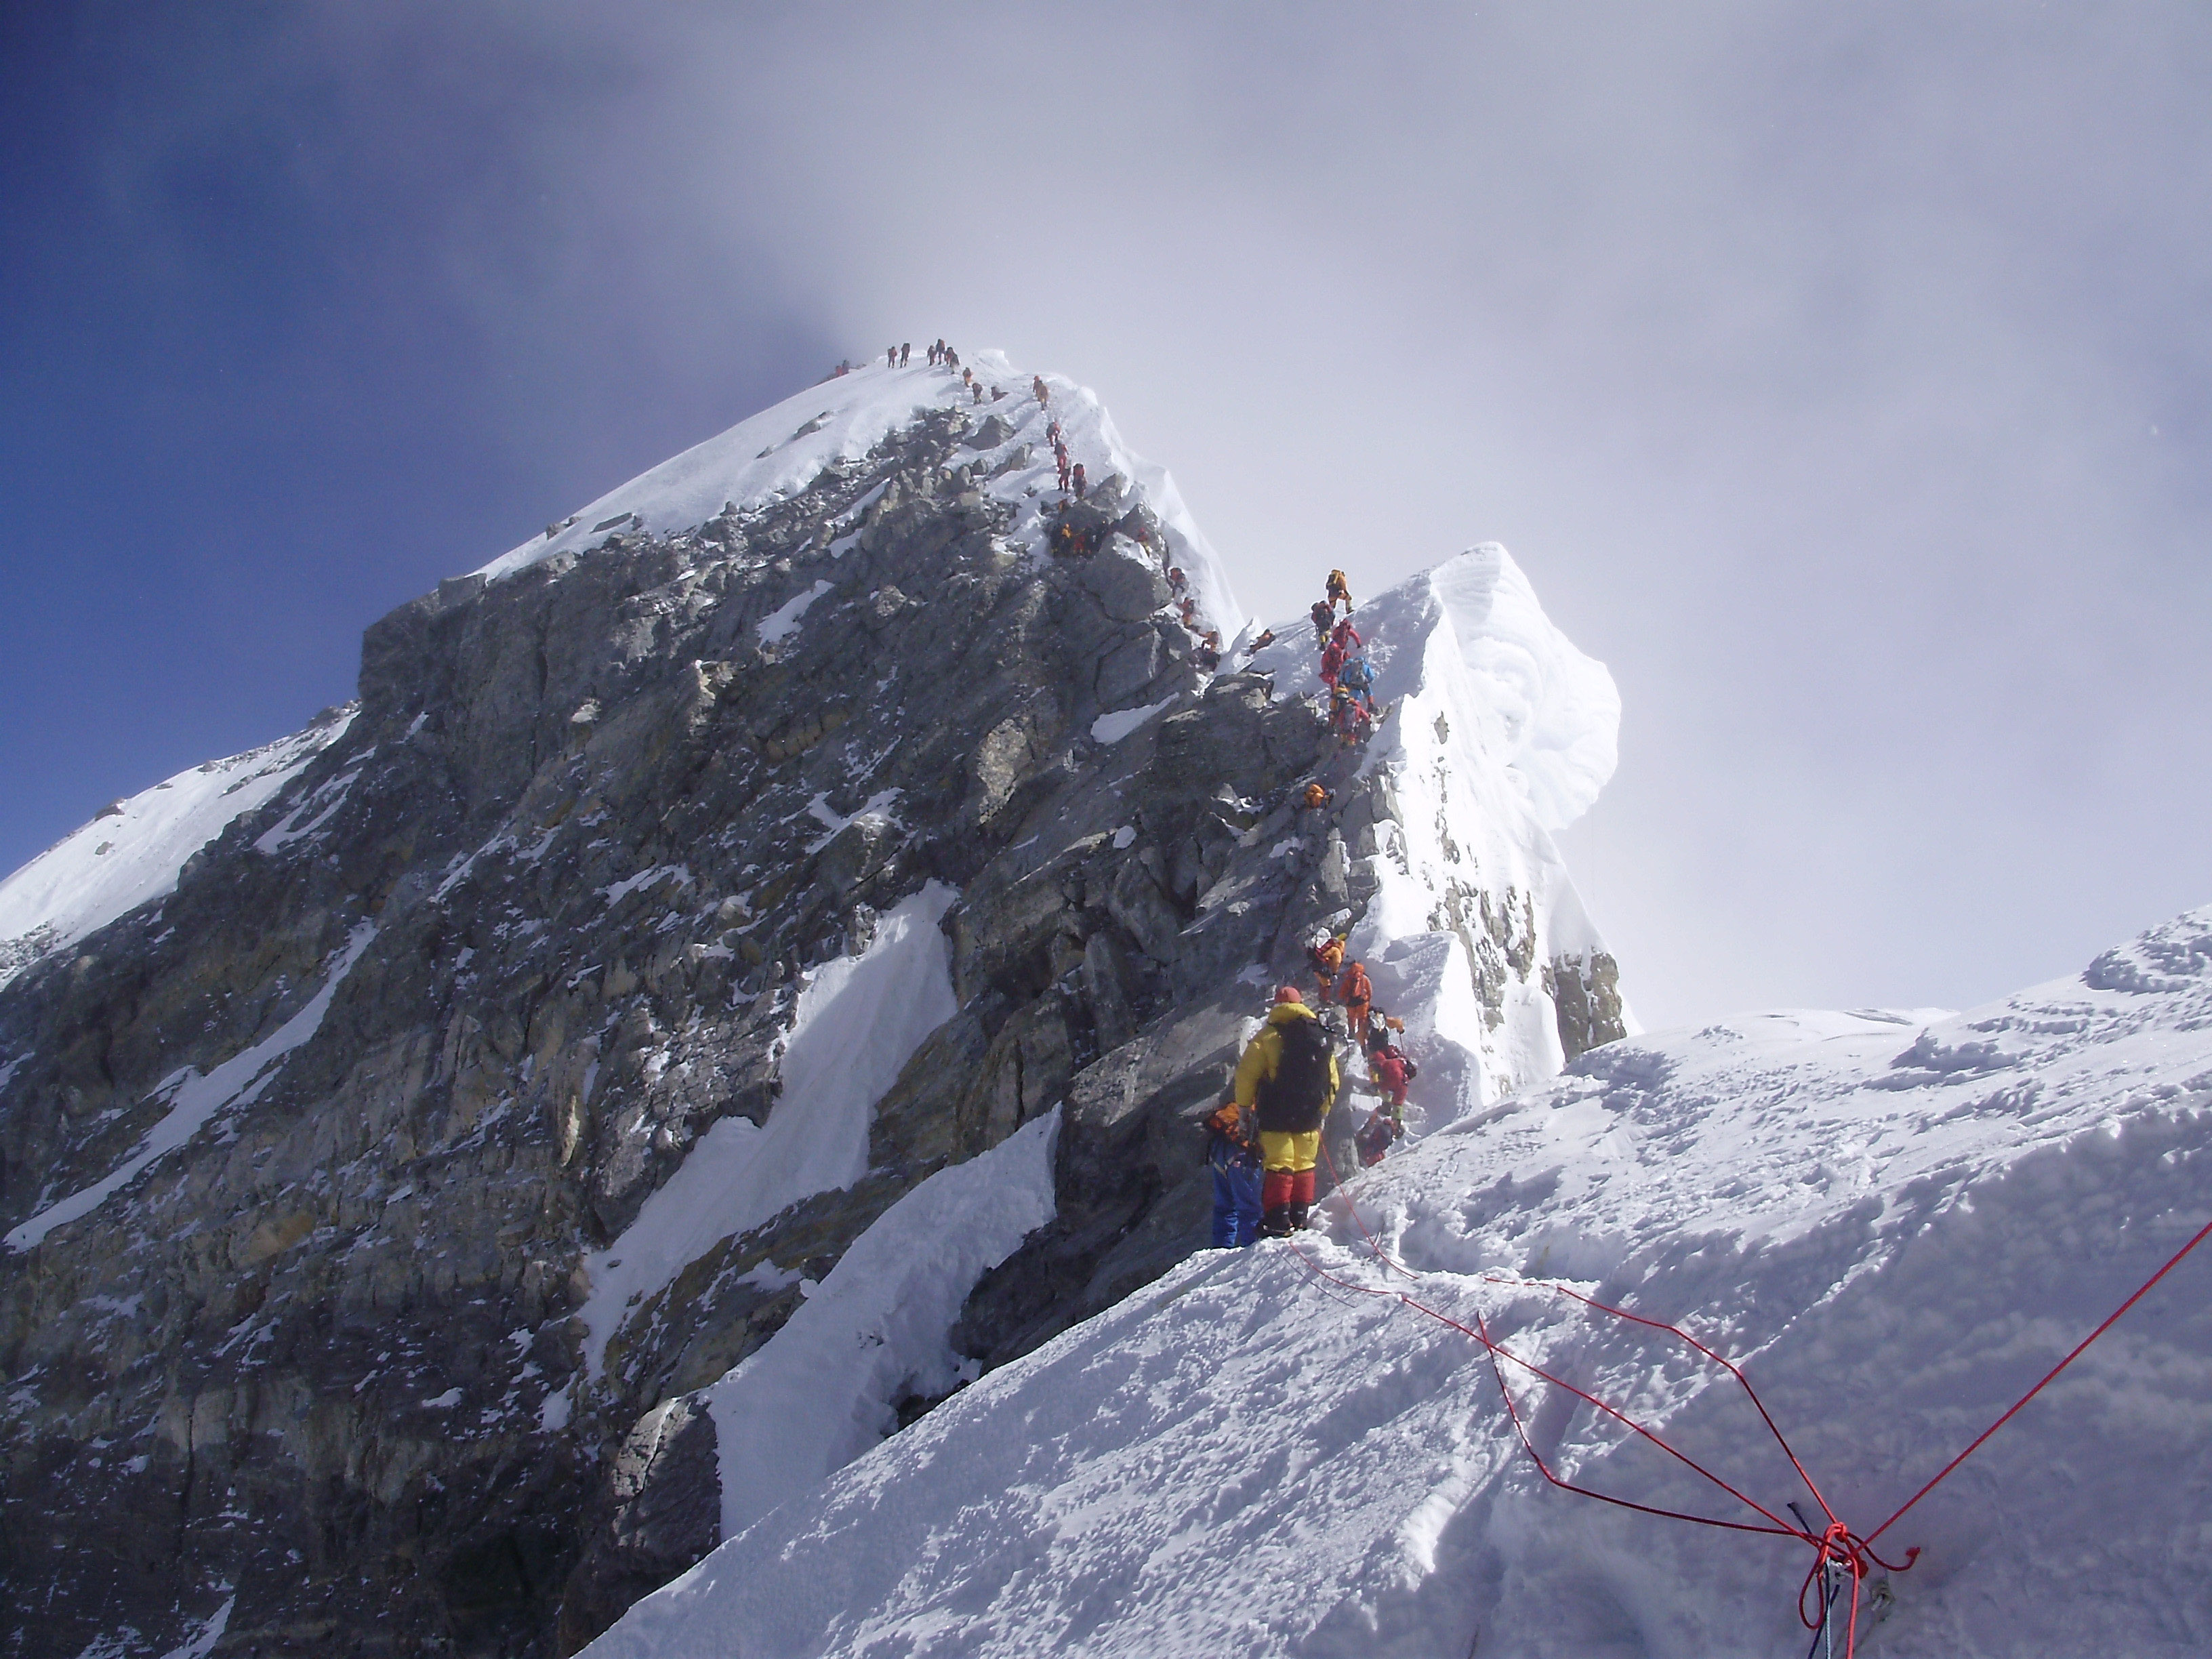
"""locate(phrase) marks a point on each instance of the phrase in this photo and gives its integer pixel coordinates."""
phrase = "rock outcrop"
(314, 1164)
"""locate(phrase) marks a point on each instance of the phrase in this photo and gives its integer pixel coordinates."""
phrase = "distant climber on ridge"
(1338, 590)
(1351, 716)
(1079, 485)
(1389, 1070)
(1038, 386)
(1357, 993)
(1332, 664)
(1327, 956)
(1323, 614)
(1288, 1075)
(905, 352)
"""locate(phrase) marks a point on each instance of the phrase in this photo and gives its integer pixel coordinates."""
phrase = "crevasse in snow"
(1895, 1222)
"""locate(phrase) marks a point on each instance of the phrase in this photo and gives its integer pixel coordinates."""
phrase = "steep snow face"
(782, 450)
(1497, 731)
(857, 1022)
(1896, 1222)
(825, 1386)
(125, 858)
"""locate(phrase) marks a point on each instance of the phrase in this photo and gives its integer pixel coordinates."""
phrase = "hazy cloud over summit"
(1840, 376)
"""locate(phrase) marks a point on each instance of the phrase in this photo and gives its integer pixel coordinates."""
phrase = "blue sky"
(1841, 375)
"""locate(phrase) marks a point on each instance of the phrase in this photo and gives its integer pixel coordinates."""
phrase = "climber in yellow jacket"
(1288, 1078)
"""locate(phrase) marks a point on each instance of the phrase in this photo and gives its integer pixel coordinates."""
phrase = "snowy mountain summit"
(753, 962)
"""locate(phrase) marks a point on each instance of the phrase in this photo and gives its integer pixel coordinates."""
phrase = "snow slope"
(858, 1021)
(779, 450)
(1497, 731)
(1896, 1222)
(1471, 638)
(125, 859)
(803, 1406)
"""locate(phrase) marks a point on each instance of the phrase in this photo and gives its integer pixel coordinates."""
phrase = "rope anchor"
(1840, 1555)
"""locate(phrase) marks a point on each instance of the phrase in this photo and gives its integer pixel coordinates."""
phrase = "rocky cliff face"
(384, 1196)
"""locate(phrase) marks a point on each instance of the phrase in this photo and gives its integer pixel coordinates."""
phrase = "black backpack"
(1298, 1097)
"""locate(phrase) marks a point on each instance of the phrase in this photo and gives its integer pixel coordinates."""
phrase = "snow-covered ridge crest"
(1548, 712)
(131, 853)
(1498, 731)
(1896, 1226)
(784, 447)
(1470, 638)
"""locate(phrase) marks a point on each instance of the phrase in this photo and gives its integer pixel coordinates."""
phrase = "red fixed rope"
(1836, 1547)
(2172, 1262)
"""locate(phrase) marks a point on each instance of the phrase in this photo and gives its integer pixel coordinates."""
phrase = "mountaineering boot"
(1296, 1213)
(1276, 1223)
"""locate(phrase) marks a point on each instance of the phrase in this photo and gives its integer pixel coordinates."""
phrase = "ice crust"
(823, 1389)
(1896, 1222)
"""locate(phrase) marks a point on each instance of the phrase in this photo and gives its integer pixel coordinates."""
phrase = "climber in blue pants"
(1233, 1155)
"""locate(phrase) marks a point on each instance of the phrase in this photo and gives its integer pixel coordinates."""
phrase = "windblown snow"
(1896, 1222)
(130, 854)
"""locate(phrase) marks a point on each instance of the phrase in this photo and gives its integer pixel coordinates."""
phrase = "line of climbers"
(1389, 1068)
(1345, 668)
(1262, 1140)
(1066, 540)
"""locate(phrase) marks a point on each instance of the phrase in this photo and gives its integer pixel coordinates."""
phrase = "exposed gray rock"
(326, 1354)
(1585, 993)
(1127, 581)
(659, 1511)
